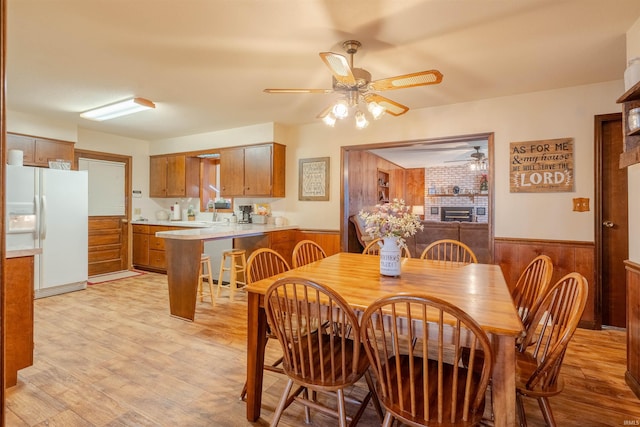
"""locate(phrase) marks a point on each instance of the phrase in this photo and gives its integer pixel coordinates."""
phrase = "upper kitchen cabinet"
(38, 151)
(174, 175)
(253, 171)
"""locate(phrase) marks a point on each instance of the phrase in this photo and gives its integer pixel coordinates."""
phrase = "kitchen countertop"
(220, 231)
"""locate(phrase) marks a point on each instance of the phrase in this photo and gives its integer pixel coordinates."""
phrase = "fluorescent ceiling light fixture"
(118, 109)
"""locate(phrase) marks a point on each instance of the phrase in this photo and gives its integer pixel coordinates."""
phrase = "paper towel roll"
(15, 157)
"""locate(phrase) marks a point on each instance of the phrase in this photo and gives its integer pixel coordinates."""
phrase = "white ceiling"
(205, 62)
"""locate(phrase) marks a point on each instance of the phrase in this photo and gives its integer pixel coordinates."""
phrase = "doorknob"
(608, 224)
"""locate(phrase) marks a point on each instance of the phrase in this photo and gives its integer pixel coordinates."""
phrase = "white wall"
(633, 50)
(38, 126)
(534, 116)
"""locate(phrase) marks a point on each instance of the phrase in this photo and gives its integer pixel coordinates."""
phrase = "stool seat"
(237, 266)
(205, 273)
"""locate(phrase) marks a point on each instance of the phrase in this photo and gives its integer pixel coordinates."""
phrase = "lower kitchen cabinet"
(148, 250)
(18, 349)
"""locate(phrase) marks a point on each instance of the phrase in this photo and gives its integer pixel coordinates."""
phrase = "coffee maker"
(245, 214)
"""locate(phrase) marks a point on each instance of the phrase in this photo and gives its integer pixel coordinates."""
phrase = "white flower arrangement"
(391, 220)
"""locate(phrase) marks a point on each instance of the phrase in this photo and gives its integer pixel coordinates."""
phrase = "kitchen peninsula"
(183, 250)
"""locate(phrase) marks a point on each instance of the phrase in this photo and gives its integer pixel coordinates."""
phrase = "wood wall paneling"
(513, 255)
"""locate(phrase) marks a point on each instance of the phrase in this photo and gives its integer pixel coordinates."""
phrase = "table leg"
(183, 266)
(503, 381)
(256, 334)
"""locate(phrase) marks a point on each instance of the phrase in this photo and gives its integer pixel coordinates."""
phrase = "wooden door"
(257, 170)
(612, 232)
(232, 172)
(109, 179)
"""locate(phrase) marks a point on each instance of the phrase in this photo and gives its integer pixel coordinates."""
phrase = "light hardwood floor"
(112, 356)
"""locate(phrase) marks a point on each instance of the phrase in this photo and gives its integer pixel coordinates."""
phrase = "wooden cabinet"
(632, 376)
(283, 243)
(38, 151)
(18, 349)
(148, 250)
(174, 175)
(253, 171)
(631, 136)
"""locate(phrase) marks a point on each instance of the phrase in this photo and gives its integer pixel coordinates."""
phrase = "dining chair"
(373, 248)
(449, 251)
(264, 263)
(553, 324)
(415, 343)
(305, 252)
(322, 360)
(530, 287)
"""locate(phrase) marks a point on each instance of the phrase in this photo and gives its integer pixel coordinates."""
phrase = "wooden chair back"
(415, 345)
(327, 358)
(305, 252)
(449, 251)
(373, 248)
(531, 286)
(552, 325)
(263, 263)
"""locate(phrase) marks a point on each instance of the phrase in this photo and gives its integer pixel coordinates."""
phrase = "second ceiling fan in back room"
(356, 88)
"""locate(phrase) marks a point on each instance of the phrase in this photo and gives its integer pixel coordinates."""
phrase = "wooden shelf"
(630, 100)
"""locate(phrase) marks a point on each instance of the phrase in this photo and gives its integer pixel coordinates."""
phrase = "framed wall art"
(313, 179)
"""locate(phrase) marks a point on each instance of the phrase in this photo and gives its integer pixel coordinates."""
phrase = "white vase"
(390, 257)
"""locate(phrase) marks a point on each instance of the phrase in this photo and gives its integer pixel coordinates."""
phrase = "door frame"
(117, 158)
(344, 177)
(599, 121)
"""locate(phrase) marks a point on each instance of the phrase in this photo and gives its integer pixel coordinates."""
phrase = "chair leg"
(545, 407)
(520, 409)
(282, 404)
(388, 420)
(342, 410)
(374, 395)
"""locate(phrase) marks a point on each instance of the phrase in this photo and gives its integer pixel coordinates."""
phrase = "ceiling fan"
(477, 158)
(356, 86)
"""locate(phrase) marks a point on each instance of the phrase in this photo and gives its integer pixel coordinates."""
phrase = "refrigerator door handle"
(43, 218)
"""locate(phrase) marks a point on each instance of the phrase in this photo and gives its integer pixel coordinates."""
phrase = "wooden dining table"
(478, 289)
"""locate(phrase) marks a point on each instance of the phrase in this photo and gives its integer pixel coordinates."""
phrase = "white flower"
(391, 220)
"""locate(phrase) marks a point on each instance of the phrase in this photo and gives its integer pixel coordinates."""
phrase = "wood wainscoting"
(329, 240)
(513, 255)
(632, 376)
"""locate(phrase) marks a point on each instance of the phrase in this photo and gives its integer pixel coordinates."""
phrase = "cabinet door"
(158, 177)
(25, 143)
(232, 173)
(52, 150)
(257, 171)
(140, 249)
(176, 173)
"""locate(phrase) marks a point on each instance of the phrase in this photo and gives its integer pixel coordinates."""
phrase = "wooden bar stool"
(205, 272)
(238, 264)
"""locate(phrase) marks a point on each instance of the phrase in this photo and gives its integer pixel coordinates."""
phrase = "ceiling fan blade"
(421, 78)
(298, 90)
(391, 107)
(339, 66)
(324, 112)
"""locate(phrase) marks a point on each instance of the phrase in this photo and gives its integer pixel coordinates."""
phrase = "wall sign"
(541, 166)
(313, 179)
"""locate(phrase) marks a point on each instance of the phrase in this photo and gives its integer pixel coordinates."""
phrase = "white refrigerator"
(48, 209)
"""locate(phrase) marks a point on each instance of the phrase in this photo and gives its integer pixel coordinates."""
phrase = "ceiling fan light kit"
(356, 88)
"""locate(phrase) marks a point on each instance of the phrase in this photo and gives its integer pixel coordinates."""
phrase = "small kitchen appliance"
(245, 214)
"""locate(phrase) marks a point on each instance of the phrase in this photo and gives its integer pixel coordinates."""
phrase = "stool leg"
(232, 281)
(222, 261)
(210, 280)
(200, 283)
